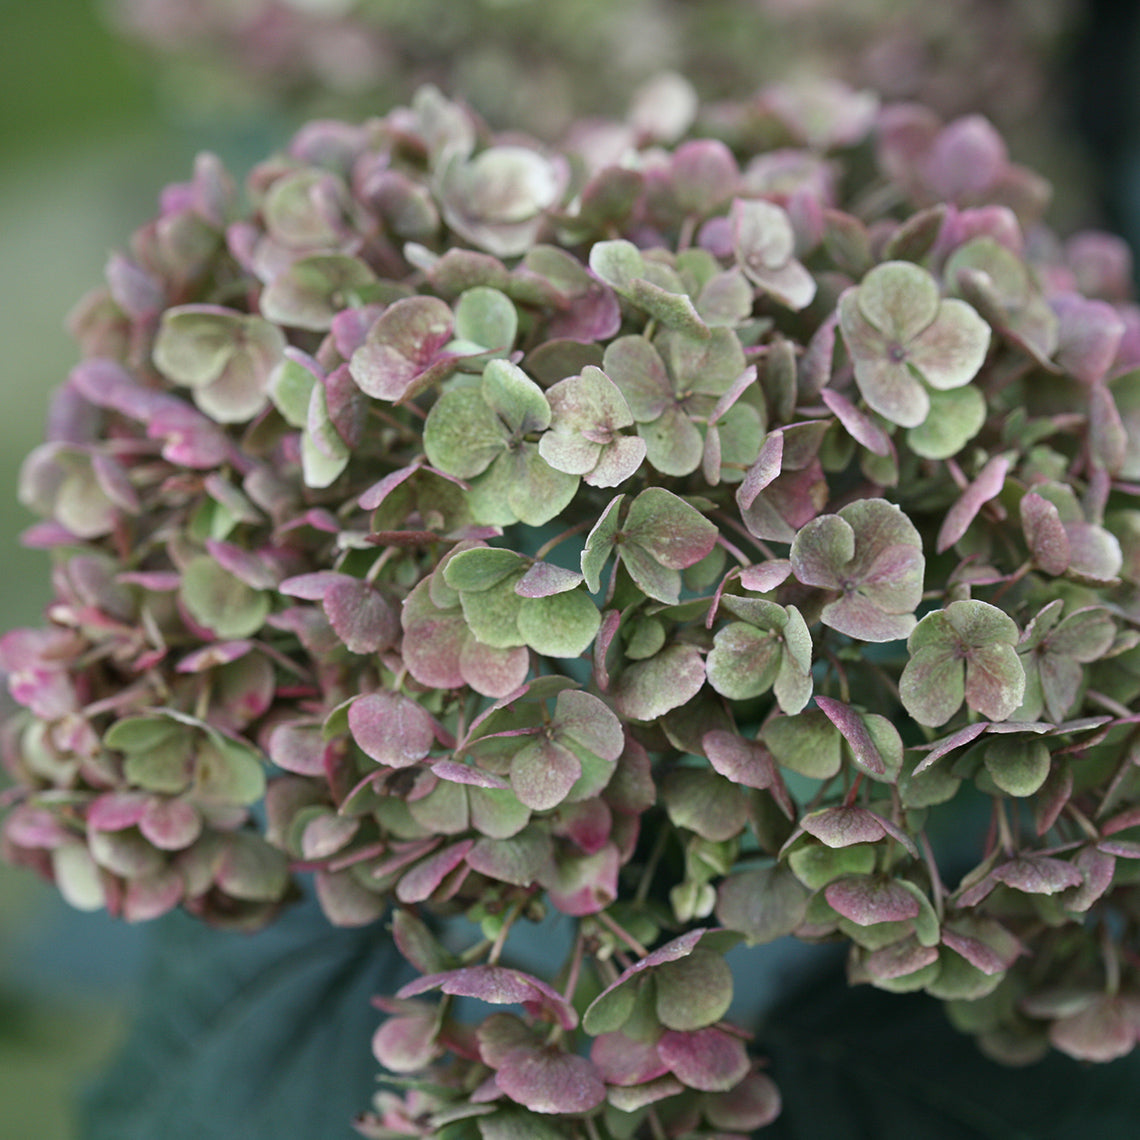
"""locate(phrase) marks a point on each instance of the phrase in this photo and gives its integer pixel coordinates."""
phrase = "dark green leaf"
(857, 1064)
(236, 1033)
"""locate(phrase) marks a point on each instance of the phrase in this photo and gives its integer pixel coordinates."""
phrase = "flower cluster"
(658, 535)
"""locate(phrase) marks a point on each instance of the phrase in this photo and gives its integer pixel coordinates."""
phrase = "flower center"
(896, 354)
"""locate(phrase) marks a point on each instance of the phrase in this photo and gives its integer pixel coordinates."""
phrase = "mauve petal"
(792, 285)
(762, 235)
(1038, 875)
(391, 728)
(1045, 534)
(550, 1081)
(361, 617)
(189, 438)
(543, 772)
(591, 317)
(899, 959)
(859, 617)
(588, 824)
(890, 389)
(985, 487)
(378, 492)
(968, 155)
(298, 748)
(432, 648)
(761, 474)
(625, 1061)
(492, 672)
(170, 824)
(49, 693)
(149, 896)
(893, 582)
(1107, 1029)
(843, 826)
(866, 899)
(406, 1044)
(745, 762)
(584, 884)
(114, 811)
(707, 1059)
(858, 425)
(419, 883)
(1088, 338)
(995, 680)
(34, 827)
(618, 462)
(498, 985)
(853, 728)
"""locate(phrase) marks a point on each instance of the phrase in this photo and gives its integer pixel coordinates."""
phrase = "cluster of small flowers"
(660, 528)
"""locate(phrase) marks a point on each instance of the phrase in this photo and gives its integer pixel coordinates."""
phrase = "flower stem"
(1107, 703)
(1111, 958)
(615, 928)
(474, 953)
(937, 887)
(575, 968)
(841, 677)
(741, 529)
(378, 565)
(558, 539)
(685, 236)
(504, 930)
(1004, 834)
(1016, 576)
(1082, 821)
(651, 865)
(734, 550)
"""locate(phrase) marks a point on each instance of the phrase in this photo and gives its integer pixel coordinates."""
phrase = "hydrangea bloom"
(472, 527)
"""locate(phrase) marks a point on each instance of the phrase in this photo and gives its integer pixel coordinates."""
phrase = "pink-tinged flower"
(915, 355)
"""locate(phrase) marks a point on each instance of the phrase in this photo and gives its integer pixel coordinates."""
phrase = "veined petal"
(899, 299)
(951, 351)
